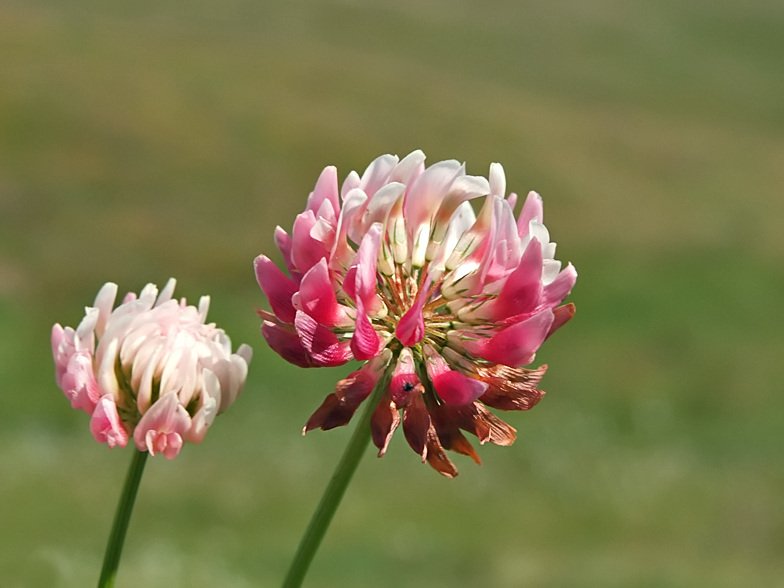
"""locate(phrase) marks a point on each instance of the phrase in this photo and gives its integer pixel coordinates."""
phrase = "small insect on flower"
(150, 369)
(443, 305)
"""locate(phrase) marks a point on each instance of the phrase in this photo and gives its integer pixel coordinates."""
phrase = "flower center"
(416, 310)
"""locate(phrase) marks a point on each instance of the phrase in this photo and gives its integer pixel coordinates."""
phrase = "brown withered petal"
(416, 423)
(500, 375)
(468, 418)
(436, 456)
(450, 436)
(500, 432)
(385, 419)
(563, 314)
(332, 413)
(510, 399)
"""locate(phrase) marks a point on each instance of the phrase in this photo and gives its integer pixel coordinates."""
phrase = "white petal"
(144, 395)
(497, 180)
(167, 292)
(106, 377)
(104, 301)
(204, 307)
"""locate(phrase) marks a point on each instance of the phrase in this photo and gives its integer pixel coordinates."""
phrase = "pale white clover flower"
(151, 369)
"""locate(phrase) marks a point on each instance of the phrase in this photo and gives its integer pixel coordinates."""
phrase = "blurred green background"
(147, 139)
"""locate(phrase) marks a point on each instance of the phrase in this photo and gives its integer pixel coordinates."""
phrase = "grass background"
(148, 139)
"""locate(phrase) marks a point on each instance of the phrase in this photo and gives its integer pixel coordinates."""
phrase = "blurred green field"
(142, 140)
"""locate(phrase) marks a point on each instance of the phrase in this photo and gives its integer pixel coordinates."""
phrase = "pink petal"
(286, 344)
(284, 245)
(342, 254)
(360, 281)
(323, 346)
(523, 288)
(307, 250)
(404, 379)
(516, 345)
(532, 209)
(366, 342)
(62, 349)
(79, 384)
(411, 328)
(317, 296)
(105, 424)
(453, 387)
(326, 190)
(277, 287)
(560, 288)
(162, 427)
(458, 389)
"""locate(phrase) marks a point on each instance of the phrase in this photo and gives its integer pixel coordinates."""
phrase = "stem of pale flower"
(122, 517)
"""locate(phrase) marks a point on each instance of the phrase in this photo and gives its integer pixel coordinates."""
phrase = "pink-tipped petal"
(105, 424)
(532, 209)
(516, 345)
(277, 287)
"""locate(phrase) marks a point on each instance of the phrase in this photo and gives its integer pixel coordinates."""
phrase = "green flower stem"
(333, 494)
(121, 518)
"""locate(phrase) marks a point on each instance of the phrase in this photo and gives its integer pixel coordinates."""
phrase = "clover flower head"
(444, 305)
(150, 369)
